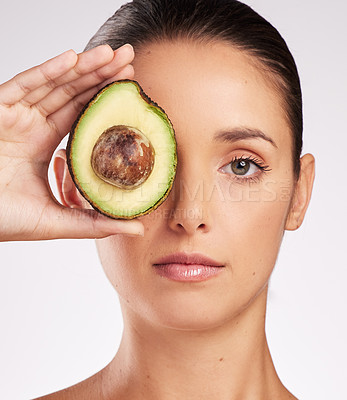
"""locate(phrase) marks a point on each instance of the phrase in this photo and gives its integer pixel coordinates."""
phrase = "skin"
(203, 340)
(177, 335)
(37, 109)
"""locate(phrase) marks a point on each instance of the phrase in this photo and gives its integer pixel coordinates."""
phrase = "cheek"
(122, 258)
(253, 232)
(116, 254)
(125, 262)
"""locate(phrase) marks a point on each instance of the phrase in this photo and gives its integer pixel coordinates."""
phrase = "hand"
(37, 109)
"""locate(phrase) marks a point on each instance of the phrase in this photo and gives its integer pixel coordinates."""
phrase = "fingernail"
(124, 49)
(135, 230)
(133, 234)
(71, 53)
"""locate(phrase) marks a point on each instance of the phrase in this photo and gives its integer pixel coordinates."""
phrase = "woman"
(194, 307)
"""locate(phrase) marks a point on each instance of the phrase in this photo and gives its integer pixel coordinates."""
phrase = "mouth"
(187, 267)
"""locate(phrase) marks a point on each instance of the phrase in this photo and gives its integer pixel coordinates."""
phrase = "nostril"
(188, 220)
(182, 226)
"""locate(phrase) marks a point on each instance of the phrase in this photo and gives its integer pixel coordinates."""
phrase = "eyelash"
(258, 163)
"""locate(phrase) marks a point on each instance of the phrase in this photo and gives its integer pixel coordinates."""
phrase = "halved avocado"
(121, 151)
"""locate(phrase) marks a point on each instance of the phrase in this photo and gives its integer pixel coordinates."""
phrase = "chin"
(189, 311)
(192, 323)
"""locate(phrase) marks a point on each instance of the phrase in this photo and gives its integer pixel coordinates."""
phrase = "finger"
(125, 73)
(18, 87)
(64, 118)
(64, 93)
(122, 56)
(88, 62)
(88, 224)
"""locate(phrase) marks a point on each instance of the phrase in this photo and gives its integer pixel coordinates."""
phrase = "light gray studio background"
(60, 319)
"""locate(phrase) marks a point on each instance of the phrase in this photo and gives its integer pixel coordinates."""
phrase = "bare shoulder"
(89, 389)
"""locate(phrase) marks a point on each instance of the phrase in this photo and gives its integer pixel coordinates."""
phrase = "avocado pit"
(123, 157)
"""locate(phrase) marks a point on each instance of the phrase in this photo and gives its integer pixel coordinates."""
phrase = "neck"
(231, 361)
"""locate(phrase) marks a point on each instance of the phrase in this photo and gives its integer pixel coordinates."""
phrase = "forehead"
(208, 86)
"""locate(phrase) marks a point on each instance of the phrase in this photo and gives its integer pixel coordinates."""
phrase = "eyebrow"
(236, 134)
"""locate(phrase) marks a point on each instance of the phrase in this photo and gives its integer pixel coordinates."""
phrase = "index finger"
(19, 86)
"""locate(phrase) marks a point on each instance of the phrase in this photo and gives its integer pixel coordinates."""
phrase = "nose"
(189, 212)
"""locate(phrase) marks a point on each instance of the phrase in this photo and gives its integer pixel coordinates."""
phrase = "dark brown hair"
(143, 21)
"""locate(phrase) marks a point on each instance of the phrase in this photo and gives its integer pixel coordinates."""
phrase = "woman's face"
(230, 210)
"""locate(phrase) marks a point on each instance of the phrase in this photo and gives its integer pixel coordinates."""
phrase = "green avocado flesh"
(131, 181)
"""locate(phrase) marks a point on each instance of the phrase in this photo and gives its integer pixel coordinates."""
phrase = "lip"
(188, 258)
(187, 267)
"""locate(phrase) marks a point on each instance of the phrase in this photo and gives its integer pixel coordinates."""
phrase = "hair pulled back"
(143, 21)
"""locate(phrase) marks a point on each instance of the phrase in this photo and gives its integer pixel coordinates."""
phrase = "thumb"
(76, 223)
(75, 218)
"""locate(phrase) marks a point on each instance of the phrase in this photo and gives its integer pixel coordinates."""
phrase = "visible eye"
(241, 167)
(246, 168)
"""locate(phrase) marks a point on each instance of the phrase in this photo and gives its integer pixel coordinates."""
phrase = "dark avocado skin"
(71, 138)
